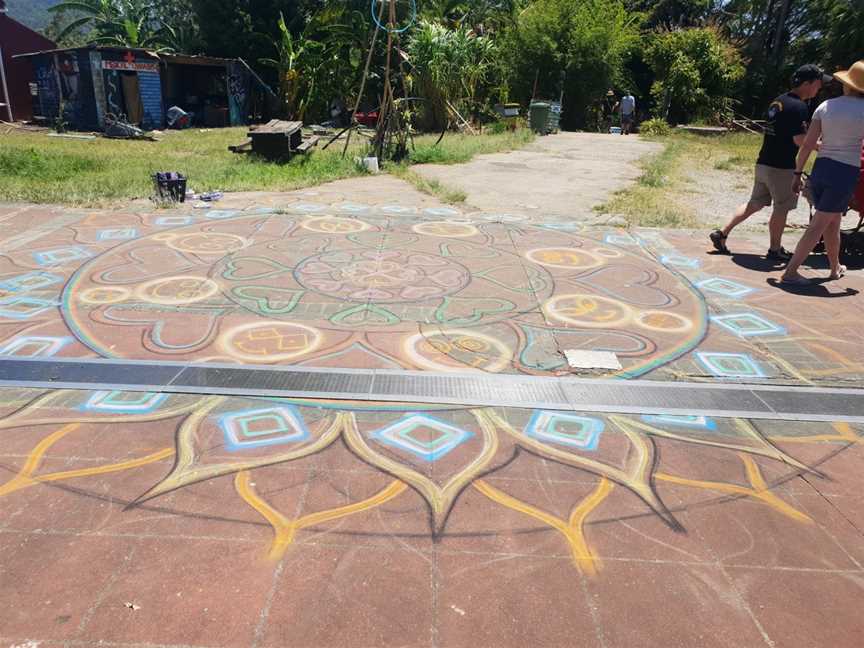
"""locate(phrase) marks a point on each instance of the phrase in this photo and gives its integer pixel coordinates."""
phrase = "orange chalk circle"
(457, 350)
(592, 311)
(270, 341)
(569, 258)
(663, 322)
(206, 243)
(334, 225)
(446, 229)
(173, 291)
(104, 295)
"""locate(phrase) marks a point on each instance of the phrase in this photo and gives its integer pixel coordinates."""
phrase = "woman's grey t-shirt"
(842, 129)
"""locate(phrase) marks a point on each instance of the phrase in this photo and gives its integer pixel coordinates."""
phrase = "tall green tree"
(675, 13)
(482, 16)
(836, 31)
(246, 28)
(179, 25)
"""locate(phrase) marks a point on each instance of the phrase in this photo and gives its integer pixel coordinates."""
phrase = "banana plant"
(124, 23)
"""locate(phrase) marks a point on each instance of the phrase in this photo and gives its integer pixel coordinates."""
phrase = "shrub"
(580, 46)
(449, 68)
(697, 71)
(656, 127)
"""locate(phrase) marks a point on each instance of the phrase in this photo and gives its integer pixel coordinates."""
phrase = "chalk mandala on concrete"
(437, 455)
(327, 290)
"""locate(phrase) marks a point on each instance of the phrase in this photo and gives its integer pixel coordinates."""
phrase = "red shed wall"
(15, 38)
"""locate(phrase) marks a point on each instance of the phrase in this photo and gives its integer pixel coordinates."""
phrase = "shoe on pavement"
(779, 255)
(841, 272)
(718, 238)
(795, 281)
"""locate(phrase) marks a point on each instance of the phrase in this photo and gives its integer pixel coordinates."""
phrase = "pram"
(851, 240)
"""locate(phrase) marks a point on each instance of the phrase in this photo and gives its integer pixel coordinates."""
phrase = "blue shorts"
(833, 184)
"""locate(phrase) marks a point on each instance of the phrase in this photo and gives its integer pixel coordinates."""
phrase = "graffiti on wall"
(238, 89)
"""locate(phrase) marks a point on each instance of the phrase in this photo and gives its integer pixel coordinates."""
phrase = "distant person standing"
(608, 108)
(627, 106)
(784, 133)
(837, 132)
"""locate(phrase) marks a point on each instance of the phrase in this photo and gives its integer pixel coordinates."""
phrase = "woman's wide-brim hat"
(853, 77)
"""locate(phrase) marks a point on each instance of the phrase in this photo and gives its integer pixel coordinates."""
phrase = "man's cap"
(810, 72)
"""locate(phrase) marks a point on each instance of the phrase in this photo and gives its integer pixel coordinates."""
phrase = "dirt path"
(565, 174)
(714, 195)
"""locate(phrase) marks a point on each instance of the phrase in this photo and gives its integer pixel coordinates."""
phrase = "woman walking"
(839, 123)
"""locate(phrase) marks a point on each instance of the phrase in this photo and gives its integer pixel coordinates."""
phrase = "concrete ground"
(564, 175)
(164, 519)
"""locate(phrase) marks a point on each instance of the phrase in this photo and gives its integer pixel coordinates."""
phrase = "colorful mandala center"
(384, 277)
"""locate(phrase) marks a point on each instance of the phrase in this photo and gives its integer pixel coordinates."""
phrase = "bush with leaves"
(655, 127)
(696, 71)
(449, 68)
(578, 46)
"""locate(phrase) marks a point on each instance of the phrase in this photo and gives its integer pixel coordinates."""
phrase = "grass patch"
(38, 169)
(35, 168)
(659, 198)
(432, 187)
(733, 163)
(458, 148)
(647, 203)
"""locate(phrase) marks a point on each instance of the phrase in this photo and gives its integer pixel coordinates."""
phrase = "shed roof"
(100, 48)
(177, 59)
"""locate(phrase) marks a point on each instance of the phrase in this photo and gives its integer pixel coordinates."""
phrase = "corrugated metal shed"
(83, 85)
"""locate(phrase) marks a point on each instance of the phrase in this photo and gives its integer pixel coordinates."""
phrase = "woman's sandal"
(841, 271)
(795, 281)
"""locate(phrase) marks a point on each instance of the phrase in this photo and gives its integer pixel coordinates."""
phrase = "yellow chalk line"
(573, 531)
(285, 529)
(760, 490)
(26, 478)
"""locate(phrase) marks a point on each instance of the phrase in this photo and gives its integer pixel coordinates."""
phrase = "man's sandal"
(718, 238)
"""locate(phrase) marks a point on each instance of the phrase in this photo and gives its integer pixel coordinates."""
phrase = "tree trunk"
(777, 48)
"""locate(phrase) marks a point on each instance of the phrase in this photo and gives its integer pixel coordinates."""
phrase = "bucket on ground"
(170, 186)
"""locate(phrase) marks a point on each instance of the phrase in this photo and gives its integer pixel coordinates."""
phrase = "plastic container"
(615, 130)
(554, 124)
(538, 117)
(507, 110)
(170, 186)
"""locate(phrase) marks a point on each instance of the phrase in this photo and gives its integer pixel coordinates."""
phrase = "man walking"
(628, 112)
(775, 168)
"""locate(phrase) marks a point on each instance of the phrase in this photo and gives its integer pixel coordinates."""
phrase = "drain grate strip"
(572, 394)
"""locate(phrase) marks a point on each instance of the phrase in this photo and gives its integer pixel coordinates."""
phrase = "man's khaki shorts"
(774, 187)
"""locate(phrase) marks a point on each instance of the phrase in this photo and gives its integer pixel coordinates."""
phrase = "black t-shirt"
(787, 117)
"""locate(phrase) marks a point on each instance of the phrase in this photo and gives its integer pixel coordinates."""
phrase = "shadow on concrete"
(758, 262)
(816, 288)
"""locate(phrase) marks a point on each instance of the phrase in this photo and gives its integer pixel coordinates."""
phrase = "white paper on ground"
(579, 359)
